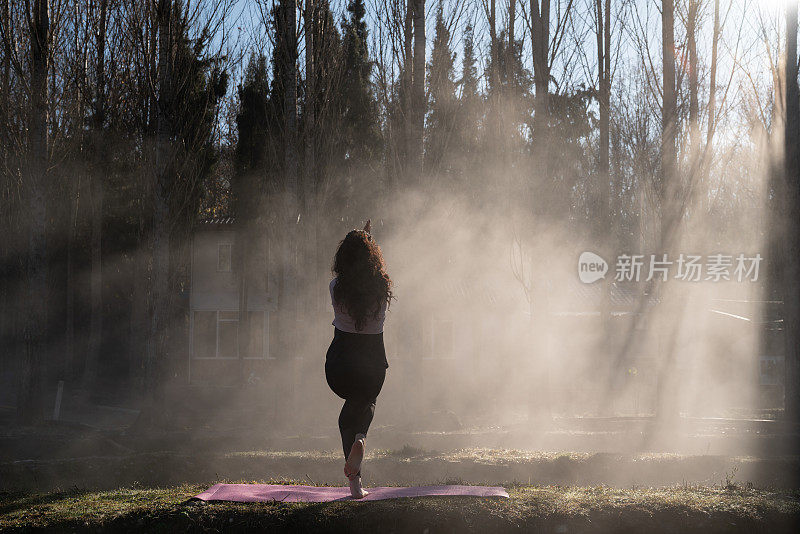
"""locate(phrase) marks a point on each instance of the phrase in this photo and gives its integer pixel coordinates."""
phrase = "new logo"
(591, 267)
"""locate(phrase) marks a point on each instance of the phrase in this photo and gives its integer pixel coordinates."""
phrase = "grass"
(404, 465)
(541, 508)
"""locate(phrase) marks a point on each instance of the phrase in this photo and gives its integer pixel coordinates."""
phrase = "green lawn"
(561, 509)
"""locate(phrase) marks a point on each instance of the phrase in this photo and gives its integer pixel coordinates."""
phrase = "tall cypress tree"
(330, 97)
(469, 107)
(252, 126)
(276, 112)
(469, 72)
(360, 110)
(442, 98)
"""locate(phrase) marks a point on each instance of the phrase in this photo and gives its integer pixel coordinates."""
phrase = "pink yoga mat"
(278, 492)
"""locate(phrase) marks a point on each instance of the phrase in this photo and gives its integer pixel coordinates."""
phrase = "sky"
(750, 29)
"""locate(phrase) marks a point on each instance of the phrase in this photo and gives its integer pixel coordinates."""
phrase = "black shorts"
(355, 365)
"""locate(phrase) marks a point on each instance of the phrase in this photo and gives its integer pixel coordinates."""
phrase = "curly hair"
(362, 284)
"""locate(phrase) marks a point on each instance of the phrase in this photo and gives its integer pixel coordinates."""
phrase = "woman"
(355, 365)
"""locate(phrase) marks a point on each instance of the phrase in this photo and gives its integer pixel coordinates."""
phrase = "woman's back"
(345, 323)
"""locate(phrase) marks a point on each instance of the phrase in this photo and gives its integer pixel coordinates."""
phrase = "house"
(215, 357)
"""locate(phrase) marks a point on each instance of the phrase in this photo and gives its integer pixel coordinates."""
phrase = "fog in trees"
(176, 176)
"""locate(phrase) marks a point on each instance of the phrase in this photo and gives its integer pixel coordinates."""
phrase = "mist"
(591, 234)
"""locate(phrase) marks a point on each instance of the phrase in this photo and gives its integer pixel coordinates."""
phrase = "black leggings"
(355, 368)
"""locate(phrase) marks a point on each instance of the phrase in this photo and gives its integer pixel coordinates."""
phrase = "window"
(227, 334)
(204, 334)
(257, 348)
(215, 334)
(224, 257)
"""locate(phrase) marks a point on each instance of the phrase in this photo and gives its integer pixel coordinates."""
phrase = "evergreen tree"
(198, 85)
(330, 96)
(512, 92)
(469, 76)
(281, 73)
(360, 110)
(469, 105)
(253, 136)
(442, 98)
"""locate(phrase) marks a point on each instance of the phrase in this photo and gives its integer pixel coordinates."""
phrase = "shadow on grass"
(11, 502)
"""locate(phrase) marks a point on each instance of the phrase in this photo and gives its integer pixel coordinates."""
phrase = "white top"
(345, 323)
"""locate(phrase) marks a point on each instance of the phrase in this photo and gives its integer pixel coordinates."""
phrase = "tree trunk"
(289, 295)
(408, 75)
(493, 123)
(791, 300)
(155, 356)
(712, 111)
(669, 216)
(603, 226)
(309, 167)
(98, 143)
(139, 309)
(30, 408)
(694, 107)
(540, 28)
(512, 20)
(310, 96)
(290, 102)
(69, 330)
(668, 118)
(74, 193)
(495, 72)
(603, 13)
(5, 137)
(5, 12)
(418, 90)
(96, 283)
(508, 121)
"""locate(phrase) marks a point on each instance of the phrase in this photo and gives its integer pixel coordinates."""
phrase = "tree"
(669, 116)
(100, 157)
(539, 28)
(791, 299)
(251, 123)
(30, 401)
(468, 115)
(154, 362)
(441, 99)
(187, 81)
(250, 161)
(418, 101)
(603, 14)
(360, 120)
(668, 187)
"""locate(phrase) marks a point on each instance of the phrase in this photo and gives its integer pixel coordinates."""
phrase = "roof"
(215, 223)
(216, 220)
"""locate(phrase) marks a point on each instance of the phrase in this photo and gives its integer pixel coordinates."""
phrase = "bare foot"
(353, 463)
(356, 491)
